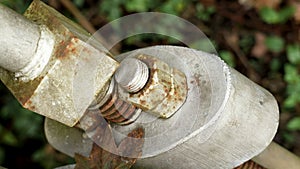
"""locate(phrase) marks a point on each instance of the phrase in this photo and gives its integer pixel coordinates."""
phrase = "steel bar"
(277, 157)
(19, 39)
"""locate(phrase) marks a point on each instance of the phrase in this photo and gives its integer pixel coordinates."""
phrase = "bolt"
(117, 110)
(162, 94)
(113, 108)
(132, 75)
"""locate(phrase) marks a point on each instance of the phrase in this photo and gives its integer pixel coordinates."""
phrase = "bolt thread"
(132, 75)
(117, 110)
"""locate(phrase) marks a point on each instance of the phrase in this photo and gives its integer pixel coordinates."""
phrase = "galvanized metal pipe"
(25, 46)
(277, 157)
(19, 39)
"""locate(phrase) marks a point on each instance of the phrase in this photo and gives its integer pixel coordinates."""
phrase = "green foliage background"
(22, 141)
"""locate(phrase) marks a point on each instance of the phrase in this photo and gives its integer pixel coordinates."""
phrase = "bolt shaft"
(132, 75)
(113, 108)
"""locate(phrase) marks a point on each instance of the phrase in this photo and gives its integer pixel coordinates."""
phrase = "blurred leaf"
(227, 57)
(293, 53)
(291, 74)
(174, 7)
(293, 96)
(271, 16)
(286, 13)
(18, 5)
(25, 123)
(288, 137)
(28, 124)
(275, 65)
(204, 13)
(48, 158)
(111, 8)
(274, 43)
(294, 124)
(292, 77)
(10, 107)
(291, 101)
(137, 5)
(9, 138)
(78, 3)
(246, 42)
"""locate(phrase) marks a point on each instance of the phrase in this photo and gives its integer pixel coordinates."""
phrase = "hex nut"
(75, 74)
(164, 92)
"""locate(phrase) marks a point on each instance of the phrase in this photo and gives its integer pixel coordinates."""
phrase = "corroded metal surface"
(75, 74)
(165, 91)
(213, 128)
(117, 110)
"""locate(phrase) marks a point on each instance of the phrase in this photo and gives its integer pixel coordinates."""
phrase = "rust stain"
(143, 102)
(116, 110)
(66, 49)
(249, 165)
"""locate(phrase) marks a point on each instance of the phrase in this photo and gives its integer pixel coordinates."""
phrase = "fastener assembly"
(194, 110)
(58, 63)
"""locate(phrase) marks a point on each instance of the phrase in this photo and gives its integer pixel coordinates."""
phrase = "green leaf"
(293, 53)
(78, 3)
(275, 65)
(291, 75)
(290, 101)
(246, 42)
(9, 138)
(173, 7)
(136, 5)
(274, 43)
(204, 13)
(28, 124)
(294, 124)
(286, 13)
(288, 137)
(227, 57)
(269, 15)
(111, 8)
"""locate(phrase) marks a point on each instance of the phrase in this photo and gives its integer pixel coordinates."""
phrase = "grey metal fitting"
(163, 92)
(74, 75)
(26, 47)
(226, 119)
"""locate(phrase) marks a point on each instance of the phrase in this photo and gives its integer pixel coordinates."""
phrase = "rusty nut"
(76, 73)
(164, 92)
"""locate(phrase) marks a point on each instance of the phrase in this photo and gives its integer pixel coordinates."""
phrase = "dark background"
(259, 38)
